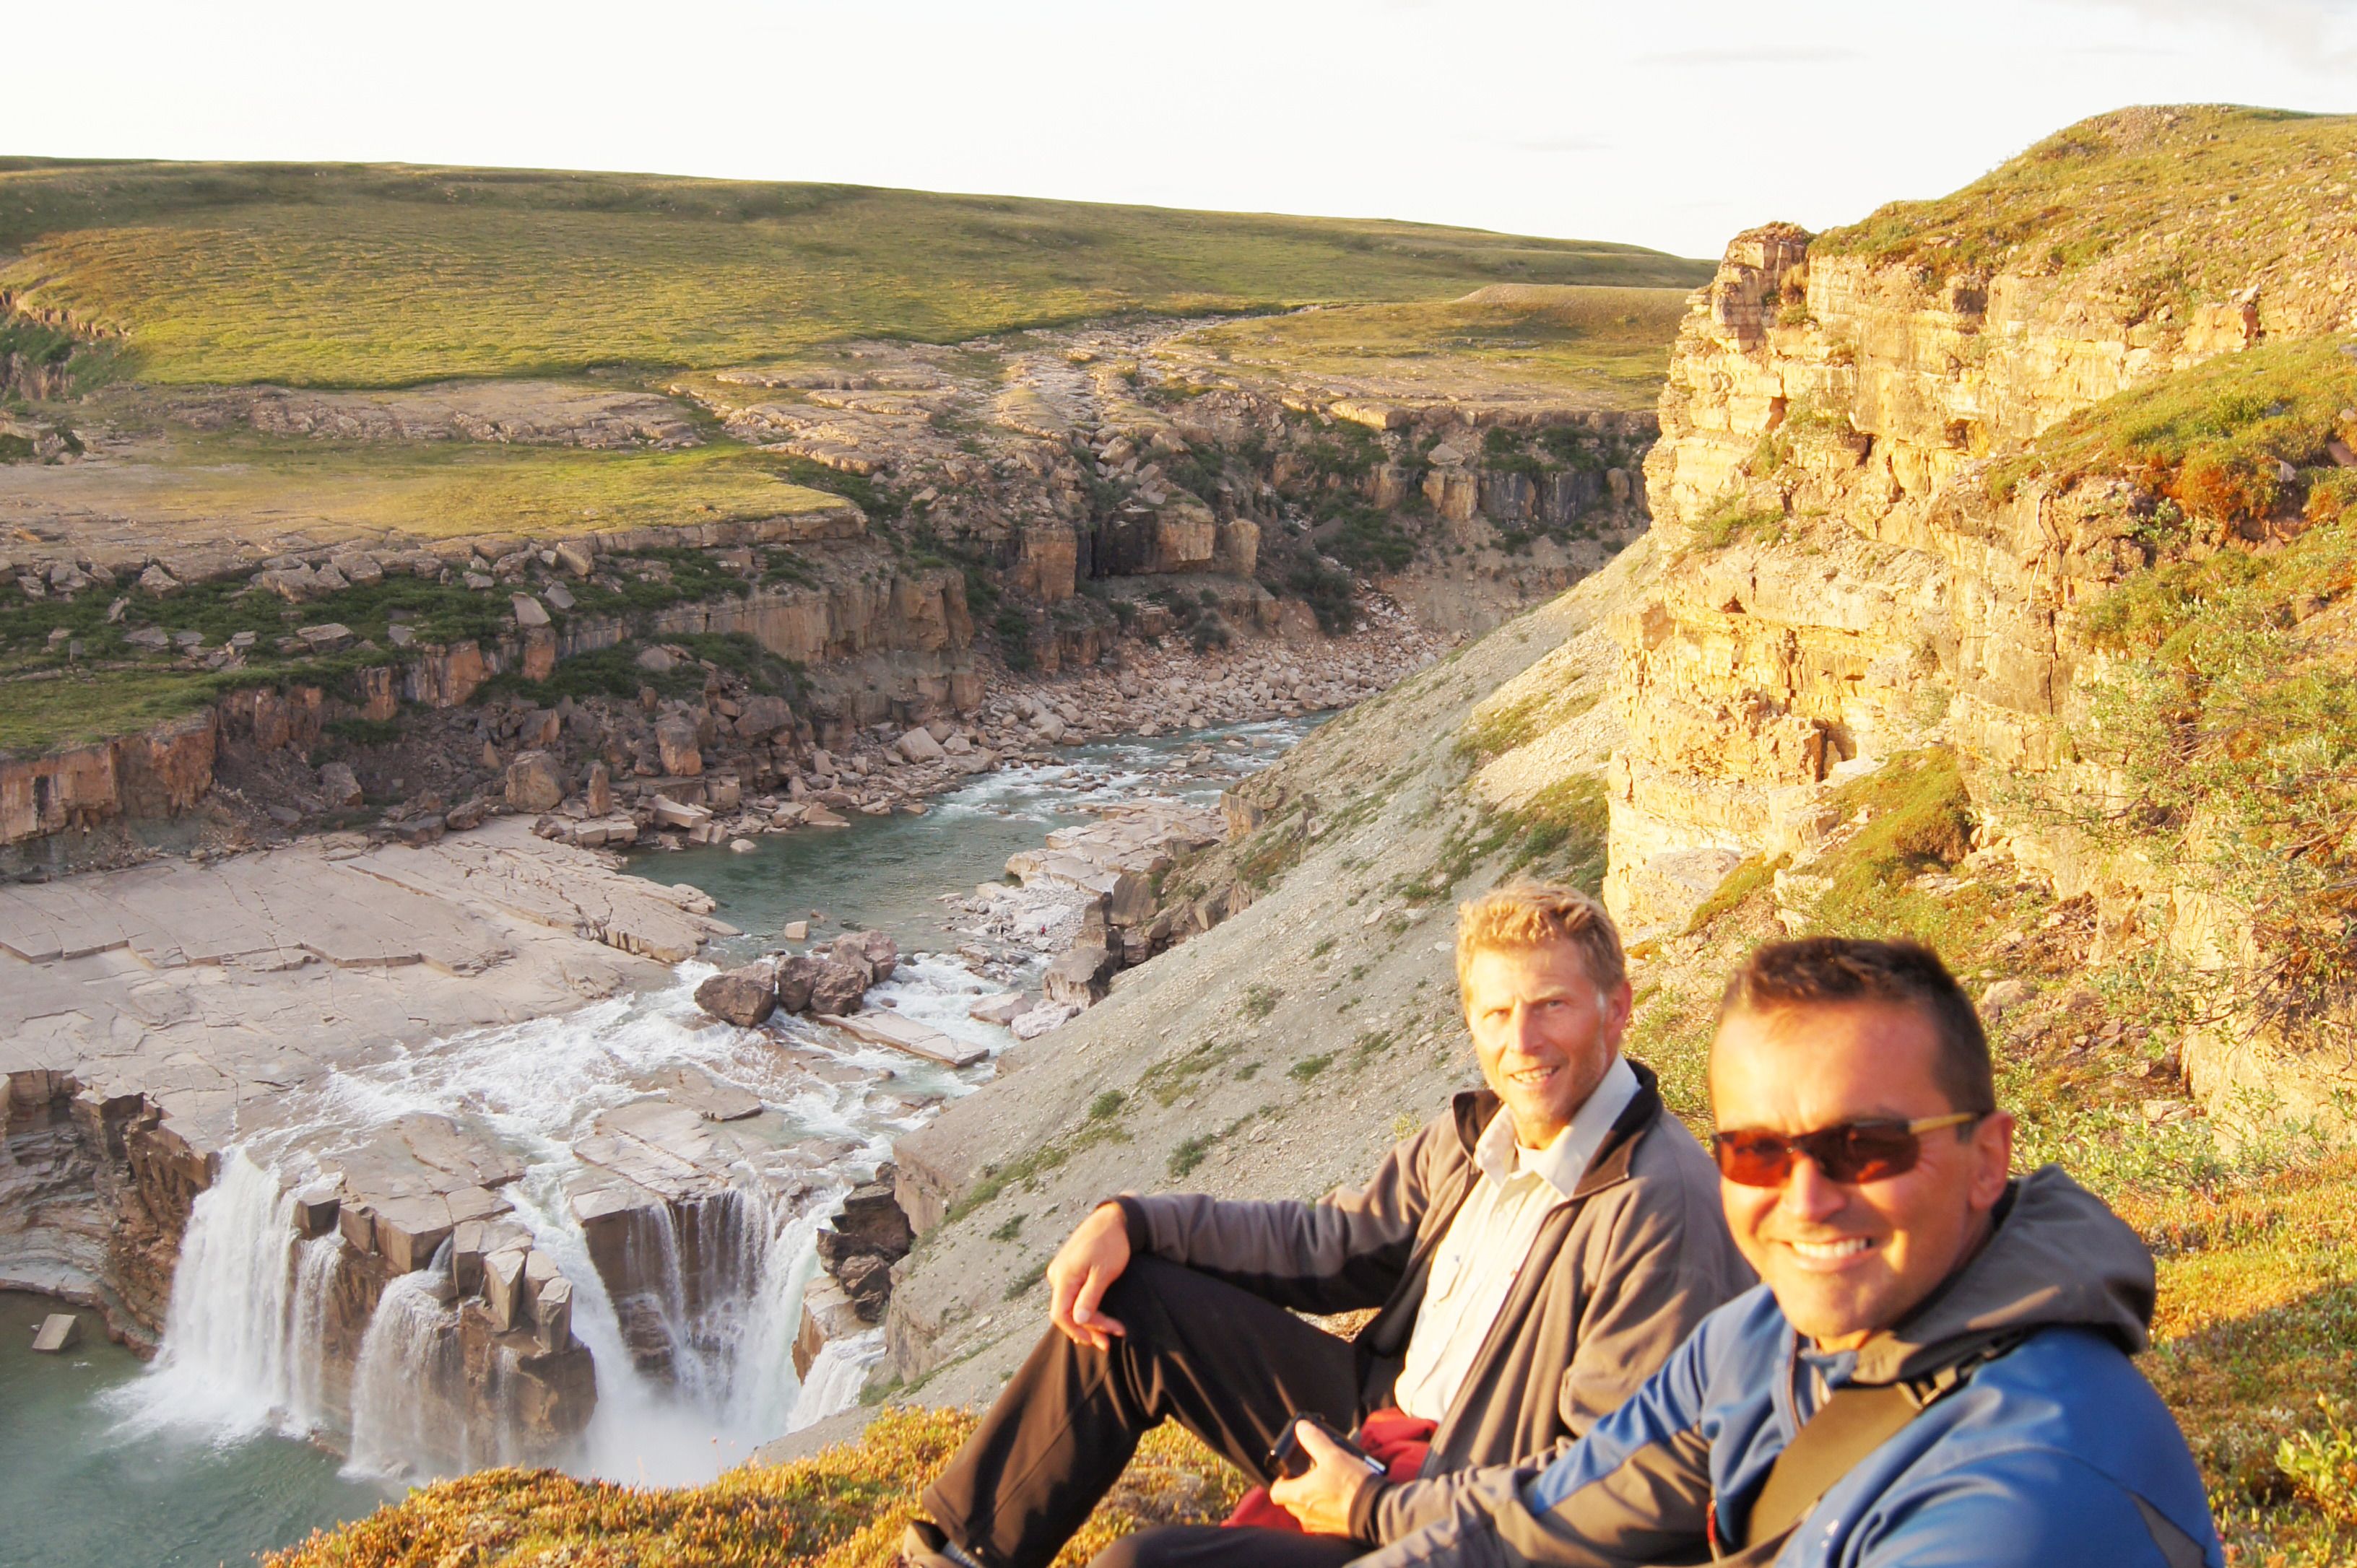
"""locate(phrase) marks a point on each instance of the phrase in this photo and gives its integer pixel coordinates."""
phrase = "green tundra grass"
(379, 276)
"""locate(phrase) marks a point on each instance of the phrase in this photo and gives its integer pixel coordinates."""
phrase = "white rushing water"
(242, 1349)
(250, 1308)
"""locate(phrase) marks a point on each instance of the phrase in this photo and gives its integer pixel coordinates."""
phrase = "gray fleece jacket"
(1621, 1273)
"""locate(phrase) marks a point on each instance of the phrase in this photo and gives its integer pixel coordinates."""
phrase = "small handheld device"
(1292, 1461)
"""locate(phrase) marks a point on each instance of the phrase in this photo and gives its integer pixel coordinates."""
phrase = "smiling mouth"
(1531, 1077)
(1831, 1251)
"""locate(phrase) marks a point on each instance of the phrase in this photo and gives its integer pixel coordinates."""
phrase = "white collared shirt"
(1476, 1263)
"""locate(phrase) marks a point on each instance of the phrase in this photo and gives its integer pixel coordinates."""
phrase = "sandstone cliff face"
(1841, 576)
(1842, 580)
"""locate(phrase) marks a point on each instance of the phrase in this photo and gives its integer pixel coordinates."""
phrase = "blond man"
(1532, 1254)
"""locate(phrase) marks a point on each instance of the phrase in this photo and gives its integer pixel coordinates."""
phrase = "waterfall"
(409, 1402)
(242, 1352)
(836, 1375)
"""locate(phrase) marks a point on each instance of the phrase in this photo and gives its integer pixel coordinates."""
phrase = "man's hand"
(1082, 1270)
(1320, 1496)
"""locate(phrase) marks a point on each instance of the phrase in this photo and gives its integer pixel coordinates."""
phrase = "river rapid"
(226, 1445)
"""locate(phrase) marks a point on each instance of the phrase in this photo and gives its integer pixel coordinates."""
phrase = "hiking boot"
(923, 1545)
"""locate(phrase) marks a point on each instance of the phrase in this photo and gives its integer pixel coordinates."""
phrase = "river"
(196, 1459)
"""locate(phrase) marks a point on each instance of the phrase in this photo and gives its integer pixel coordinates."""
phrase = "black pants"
(1228, 1366)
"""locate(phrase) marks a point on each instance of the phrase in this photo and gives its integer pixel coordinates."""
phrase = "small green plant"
(1308, 1068)
(2322, 1465)
(1011, 1229)
(1260, 1000)
(1190, 1154)
(1109, 1103)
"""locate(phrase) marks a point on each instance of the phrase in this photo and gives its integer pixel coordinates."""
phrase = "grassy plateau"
(376, 276)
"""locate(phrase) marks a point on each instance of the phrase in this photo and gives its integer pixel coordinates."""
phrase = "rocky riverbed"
(427, 1153)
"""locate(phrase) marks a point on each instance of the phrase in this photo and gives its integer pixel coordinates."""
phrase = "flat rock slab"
(881, 1028)
(213, 989)
(706, 1095)
(58, 1331)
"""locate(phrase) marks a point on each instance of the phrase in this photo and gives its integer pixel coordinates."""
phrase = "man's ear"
(1992, 1158)
(1618, 1003)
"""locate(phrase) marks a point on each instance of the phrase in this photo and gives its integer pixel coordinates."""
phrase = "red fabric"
(1398, 1439)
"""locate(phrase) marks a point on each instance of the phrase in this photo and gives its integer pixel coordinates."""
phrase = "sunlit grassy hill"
(2162, 202)
(366, 275)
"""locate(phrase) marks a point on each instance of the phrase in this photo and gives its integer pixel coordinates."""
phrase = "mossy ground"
(375, 275)
(843, 1507)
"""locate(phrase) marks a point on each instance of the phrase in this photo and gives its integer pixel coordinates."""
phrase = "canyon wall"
(1842, 580)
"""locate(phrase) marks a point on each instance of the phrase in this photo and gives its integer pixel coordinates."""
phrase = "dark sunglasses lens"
(1870, 1154)
(1753, 1159)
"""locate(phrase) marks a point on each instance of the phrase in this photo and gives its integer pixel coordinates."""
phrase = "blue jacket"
(2055, 1451)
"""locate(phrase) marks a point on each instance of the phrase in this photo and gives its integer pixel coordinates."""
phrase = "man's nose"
(1808, 1194)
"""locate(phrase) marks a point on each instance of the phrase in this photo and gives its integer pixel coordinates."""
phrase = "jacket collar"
(1472, 1110)
(2057, 1256)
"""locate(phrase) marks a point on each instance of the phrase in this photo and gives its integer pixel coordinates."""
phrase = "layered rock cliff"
(1883, 527)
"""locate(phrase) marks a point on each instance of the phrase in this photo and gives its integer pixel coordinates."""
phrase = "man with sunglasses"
(1935, 1367)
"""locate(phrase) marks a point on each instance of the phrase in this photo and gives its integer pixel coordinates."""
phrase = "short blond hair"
(1529, 915)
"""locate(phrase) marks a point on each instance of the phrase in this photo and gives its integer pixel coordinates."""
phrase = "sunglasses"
(1849, 1152)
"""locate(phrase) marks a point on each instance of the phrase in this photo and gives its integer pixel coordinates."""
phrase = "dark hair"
(1833, 972)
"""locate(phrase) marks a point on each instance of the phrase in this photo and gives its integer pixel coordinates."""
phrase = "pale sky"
(1666, 122)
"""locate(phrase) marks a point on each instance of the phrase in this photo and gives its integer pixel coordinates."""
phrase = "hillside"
(385, 275)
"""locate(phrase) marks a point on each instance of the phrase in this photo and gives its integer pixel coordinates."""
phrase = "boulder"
(551, 1314)
(795, 931)
(576, 558)
(1041, 1019)
(796, 979)
(1081, 976)
(872, 1220)
(868, 1281)
(656, 660)
(762, 717)
(740, 996)
(324, 637)
(503, 1290)
(529, 611)
(316, 1209)
(675, 738)
(597, 793)
(342, 786)
(155, 580)
(918, 745)
(838, 986)
(1000, 1009)
(468, 815)
(878, 951)
(534, 782)
(673, 813)
(62, 1331)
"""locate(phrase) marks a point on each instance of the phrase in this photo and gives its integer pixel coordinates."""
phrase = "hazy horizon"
(1671, 129)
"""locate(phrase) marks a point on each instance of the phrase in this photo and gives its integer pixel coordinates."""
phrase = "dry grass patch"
(1605, 347)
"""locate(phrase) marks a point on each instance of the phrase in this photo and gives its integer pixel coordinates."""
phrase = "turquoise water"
(76, 1491)
(887, 873)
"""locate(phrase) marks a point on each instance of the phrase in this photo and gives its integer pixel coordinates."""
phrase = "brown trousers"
(1231, 1368)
